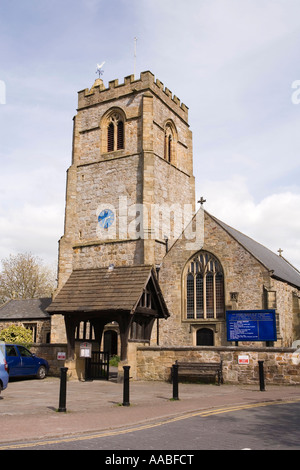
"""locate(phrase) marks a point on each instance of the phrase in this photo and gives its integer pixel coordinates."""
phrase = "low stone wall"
(281, 365)
(49, 352)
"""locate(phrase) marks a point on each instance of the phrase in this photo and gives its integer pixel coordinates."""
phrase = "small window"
(33, 328)
(205, 337)
(170, 142)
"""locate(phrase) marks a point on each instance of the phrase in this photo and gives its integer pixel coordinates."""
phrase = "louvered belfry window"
(110, 137)
(115, 133)
(120, 141)
(204, 284)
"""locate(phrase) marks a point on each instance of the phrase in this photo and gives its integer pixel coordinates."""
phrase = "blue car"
(21, 362)
(3, 369)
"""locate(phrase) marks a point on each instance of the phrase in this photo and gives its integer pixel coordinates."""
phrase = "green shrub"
(114, 361)
(16, 334)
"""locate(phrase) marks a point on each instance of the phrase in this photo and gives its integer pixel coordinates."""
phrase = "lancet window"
(170, 142)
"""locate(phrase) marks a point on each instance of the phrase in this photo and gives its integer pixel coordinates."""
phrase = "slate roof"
(30, 309)
(281, 268)
(105, 290)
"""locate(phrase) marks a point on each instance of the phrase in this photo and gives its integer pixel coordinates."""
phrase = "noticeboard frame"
(251, 325)
(86, 350)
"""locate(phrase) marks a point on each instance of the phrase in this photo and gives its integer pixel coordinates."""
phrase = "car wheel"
(41, 373)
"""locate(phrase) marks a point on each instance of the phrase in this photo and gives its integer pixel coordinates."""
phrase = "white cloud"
(31, 211)
(32, 229)
(273, 221)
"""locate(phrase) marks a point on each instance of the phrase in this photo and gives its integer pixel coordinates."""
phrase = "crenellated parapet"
(100, 94)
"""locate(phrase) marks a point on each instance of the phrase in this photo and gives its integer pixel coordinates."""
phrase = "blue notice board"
(251, 325)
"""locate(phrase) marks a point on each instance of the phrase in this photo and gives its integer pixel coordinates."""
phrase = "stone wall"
(287, 310)
(281, 365)
(49, 352)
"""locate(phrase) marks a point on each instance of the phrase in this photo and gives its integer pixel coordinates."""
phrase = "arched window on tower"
(115, 132)
(204, 288)
(170, 141)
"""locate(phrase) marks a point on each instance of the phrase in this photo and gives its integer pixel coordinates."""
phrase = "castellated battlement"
(100, 94)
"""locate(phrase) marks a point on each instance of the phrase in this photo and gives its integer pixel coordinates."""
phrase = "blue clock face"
(106, 218)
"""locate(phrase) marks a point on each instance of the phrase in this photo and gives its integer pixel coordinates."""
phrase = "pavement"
(28, 408)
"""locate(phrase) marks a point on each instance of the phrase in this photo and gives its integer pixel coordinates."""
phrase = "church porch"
(128, 296)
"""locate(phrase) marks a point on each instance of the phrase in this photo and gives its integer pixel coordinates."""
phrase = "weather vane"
(99, 69)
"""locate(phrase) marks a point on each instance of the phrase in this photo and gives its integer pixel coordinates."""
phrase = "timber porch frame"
(128, 295)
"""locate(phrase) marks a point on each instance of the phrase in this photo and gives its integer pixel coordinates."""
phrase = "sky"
(234, 63)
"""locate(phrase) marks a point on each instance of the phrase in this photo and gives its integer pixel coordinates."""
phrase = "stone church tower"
(130, 187)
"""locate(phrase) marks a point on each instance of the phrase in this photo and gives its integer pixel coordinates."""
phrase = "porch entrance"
(111, 342)
(97, 366)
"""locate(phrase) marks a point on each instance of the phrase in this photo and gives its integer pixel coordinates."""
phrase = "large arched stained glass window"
(204, 284)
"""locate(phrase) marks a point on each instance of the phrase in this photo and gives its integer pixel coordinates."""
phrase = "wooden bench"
(193, 371)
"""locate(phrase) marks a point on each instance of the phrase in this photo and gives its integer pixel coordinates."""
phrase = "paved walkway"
(28, 408)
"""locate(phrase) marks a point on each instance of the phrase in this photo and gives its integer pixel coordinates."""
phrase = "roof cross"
(201, 201)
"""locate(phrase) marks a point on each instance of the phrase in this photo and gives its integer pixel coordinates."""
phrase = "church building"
(136, 258)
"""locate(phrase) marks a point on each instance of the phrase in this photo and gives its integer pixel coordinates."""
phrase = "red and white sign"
(61, 356)
(243, 359)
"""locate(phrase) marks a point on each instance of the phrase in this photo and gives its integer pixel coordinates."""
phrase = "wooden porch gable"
(129, 294)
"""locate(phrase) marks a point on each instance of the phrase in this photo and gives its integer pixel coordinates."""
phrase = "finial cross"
(201, 201)
(280, 251)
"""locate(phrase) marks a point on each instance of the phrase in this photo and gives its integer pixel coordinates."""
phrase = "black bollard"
(175, 381)
(261, 376)
(126, 386)
(63, 389)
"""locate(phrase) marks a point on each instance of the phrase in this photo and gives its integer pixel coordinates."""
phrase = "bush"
(16, 334)
(114, 361)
